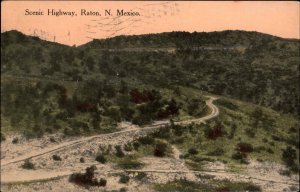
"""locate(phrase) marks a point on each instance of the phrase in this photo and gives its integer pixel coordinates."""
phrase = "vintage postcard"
(149, 96)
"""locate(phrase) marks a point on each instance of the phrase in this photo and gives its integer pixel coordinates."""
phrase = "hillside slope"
(249, 66)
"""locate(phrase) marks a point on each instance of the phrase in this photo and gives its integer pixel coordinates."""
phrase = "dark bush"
(141, 175)
(128, 147)
(293, 130)
(101, 158)
(119, 151)
(276, 138)
(244, 147)
(15, 140)
(289, 155)
(178, 130)
(146, 140)
(28, 164)
(56, 158)
(214, 133)
(239, 156)
(52, 140)
(102, 182)
(160, 149)
(124, 178)
(193, 151)
(163, 133)
(123, 189)
(269, 150)
(87, 178)
(293, 140)
(82, 160)
(252, 187)
(136, 145)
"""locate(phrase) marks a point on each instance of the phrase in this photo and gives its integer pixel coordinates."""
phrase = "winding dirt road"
(38, 175)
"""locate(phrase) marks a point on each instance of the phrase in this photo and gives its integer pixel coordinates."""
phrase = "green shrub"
(244, 147)
(193, 151)
(269, 150)
(289, 155)
(146, 140)
(128, 147)
(124, 178)
(15, 140)
(102, 182)
(160, 149)
(238, 156)
(28, 164)
(101, 158)
(52, 140)
(87, 178)
(136, 145)
(141, 175)
(56, 158)
(123, 189)
(119, 151)
(82, 160)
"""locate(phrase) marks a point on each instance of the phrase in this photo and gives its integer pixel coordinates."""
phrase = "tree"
(289, 155)
(161, 148)
(87, 178)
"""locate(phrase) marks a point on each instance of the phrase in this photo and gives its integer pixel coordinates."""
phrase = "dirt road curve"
(156, 125)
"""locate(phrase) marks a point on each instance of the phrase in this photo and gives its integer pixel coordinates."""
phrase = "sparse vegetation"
(56, 157)
(119, 151)
(78, 91)
(81, 160)
(161, 148)
(28, 164)
(15, 140)
(124, 178)
(87, 178)
(101, 158)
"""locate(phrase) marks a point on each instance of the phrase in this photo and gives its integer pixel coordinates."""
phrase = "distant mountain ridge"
(214, 37)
